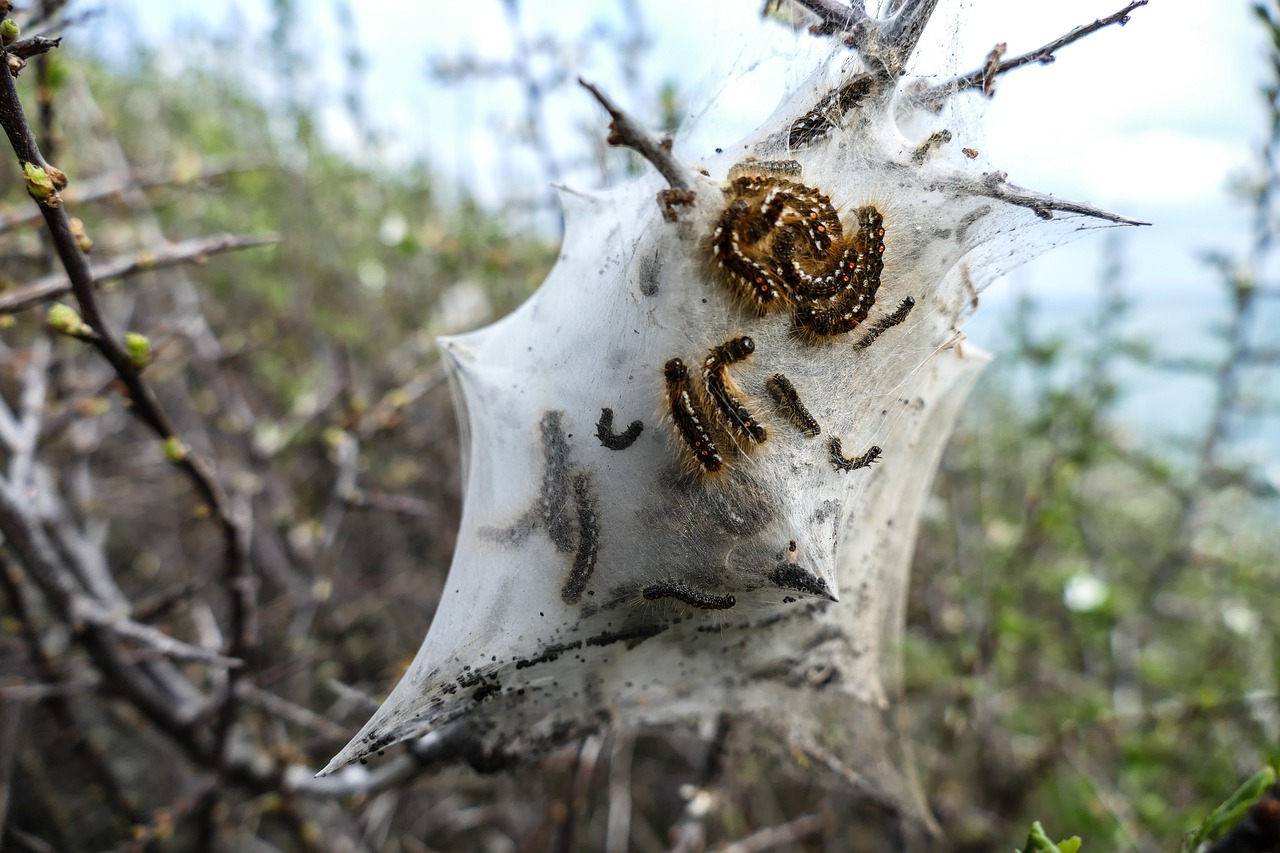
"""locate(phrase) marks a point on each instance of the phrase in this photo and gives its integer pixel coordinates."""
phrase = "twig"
(689, 832)
(624, 131)
(580, 785)
(30, 412)
(618, 832)
(33, 46)
(377, 499)
(112, 186)
(902, 31)
(996, 185)
(982, 77)
(284, 709)
(193, 251)
(776, 836)
(85, 610)
(836, 17)
(885, 44)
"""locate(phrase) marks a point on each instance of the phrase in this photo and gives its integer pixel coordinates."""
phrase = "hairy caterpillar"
(787, 400)
(724, 394)
(689, 419)
(779, 242)
(843, 463)
(687, 594)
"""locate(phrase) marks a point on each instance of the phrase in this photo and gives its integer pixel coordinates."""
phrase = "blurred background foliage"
(1092, 640)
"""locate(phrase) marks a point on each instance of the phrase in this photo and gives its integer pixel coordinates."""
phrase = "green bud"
(39, 184)
(139, 348)
(63, 318)
(174, 449)
(9, 31)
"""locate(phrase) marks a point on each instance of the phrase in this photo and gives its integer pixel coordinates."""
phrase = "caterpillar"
(616, 440)
(843, 463)
(885, 323)
(687, 594)
(787, 400)
(689, 419)
(723, 394)
(584, 561)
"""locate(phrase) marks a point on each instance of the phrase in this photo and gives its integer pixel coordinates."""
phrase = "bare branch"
(777, 836)
(902, 31)
(85, 610)
(983, 77)
(996, 185)
(624, 131)
(112, 186)
(31, 413)
(290, 712)
(886, 44)
(836, 17)
(618, 832)
(194, 251)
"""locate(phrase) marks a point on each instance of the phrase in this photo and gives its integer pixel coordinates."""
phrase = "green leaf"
(1233, 810)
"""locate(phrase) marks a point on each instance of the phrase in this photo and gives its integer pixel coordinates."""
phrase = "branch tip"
(625, 132)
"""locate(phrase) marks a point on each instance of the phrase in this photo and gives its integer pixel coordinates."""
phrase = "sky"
(1154, 120)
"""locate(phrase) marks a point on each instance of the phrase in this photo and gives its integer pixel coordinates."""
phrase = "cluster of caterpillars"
(778, 243)
(713, 410)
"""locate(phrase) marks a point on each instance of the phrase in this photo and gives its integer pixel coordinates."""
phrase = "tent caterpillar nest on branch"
(762, 250)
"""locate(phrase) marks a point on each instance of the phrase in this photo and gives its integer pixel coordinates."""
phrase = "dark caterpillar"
(688, 595)
(787, 399)
(689, 419)
(724, 394)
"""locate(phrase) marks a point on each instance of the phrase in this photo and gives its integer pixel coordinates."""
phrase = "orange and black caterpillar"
(690, 420)
(724, 395)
